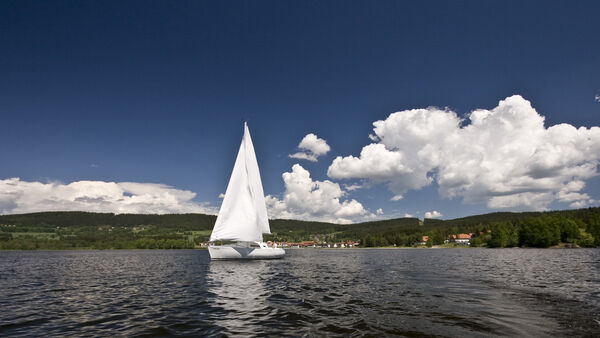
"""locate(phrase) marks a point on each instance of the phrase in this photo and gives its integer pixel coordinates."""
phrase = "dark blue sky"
(156, 91)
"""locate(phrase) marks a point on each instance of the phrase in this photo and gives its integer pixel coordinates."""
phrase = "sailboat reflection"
(239, 287)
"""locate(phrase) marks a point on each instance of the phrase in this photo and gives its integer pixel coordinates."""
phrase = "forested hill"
(93, 219)
(206, 222)
(66, 230)
(484, 218)
(188, 222)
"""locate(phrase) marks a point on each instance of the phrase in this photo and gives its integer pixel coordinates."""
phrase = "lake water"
(311, 292)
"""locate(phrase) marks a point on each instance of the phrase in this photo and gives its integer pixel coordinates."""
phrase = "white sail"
(243, 213)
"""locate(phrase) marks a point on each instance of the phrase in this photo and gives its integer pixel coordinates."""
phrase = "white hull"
(240, 252)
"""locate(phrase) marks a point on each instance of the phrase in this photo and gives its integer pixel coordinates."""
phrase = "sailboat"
(242, 219)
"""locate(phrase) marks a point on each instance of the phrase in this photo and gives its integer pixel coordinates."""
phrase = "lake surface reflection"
(414, 292)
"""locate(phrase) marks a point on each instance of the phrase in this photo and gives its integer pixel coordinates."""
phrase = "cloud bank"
(311, 148)
(18, 196)
(504, 157)
(433, 214)
(305, 199)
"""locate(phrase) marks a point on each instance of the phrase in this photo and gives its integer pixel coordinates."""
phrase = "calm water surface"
(311, 292)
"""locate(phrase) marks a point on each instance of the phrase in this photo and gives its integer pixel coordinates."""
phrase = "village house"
(424, 240)
(462, 239)
(306, 244)
(314, 244)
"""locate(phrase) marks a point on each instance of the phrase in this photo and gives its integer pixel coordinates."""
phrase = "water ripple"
(358, 293)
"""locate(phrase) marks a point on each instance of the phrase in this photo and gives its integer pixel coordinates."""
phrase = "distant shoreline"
(329, 249)
(85, 230)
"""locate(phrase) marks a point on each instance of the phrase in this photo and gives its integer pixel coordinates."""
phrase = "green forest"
(85, 230)
(569, 228)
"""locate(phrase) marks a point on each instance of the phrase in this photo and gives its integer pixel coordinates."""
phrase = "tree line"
(579, 228)
(85, 230)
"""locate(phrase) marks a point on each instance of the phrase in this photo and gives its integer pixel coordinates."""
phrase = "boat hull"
(236, 252)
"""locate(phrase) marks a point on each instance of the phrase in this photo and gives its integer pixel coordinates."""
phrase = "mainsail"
(243, 213)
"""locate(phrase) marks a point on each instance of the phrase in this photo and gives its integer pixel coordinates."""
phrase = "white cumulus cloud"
(306, 199)
(18, 196)
(353, 187)
(311, 147)
(433, 214)
(504, 157)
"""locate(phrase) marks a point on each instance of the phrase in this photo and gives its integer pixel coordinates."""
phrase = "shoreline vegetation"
(74, 230)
